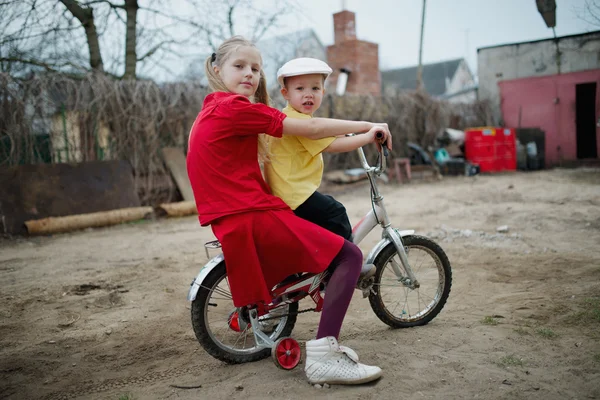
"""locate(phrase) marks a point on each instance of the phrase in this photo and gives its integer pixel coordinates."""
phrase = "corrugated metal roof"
(578, 35)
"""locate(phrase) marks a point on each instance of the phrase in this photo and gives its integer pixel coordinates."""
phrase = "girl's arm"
(317, 128)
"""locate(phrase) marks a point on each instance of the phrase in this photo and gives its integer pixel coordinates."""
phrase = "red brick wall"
(358, 56)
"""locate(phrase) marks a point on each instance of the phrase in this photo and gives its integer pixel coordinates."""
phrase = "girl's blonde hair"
(225, 50)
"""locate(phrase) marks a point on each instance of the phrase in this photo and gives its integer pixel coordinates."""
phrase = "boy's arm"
(344, 144)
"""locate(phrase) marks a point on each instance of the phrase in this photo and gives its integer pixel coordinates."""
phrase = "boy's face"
(304, 92)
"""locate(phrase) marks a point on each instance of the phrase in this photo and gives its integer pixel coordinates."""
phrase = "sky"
(453, 28)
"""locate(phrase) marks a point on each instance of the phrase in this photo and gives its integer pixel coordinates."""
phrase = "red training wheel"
(286, 353)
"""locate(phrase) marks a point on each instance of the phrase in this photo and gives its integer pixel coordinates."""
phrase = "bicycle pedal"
(365, 286)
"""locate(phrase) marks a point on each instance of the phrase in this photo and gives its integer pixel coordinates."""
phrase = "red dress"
(263, 241)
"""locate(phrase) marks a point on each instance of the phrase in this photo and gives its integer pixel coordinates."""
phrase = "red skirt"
(262, 248)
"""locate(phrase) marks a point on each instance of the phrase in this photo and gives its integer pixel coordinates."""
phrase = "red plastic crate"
(494, 149)
(480, 148)
(506, 150)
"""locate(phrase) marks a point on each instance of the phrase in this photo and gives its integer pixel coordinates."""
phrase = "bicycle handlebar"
(383, 153)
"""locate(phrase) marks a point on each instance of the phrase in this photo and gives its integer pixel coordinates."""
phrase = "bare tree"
(590, 12)
(250, 18)
(122, 35)
(55, 34)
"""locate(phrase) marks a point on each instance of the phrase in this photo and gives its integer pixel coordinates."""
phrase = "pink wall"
(548, 102)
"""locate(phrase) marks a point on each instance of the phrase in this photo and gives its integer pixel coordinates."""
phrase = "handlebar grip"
(379, 136)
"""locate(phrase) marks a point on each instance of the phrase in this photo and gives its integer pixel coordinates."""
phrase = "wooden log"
(179, 209)
(81, 221)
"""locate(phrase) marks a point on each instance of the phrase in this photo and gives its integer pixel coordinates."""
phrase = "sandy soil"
(102, 314)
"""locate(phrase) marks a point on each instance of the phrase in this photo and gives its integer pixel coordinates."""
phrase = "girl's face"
(241, 71)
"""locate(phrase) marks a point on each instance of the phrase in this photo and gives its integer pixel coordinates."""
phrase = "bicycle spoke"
(406, 303)
(222, 292)
(397, 304)
(225, 328)
(242, 333)
(425, 295)
(223, 313)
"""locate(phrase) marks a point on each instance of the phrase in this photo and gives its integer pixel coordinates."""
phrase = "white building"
(451, 80)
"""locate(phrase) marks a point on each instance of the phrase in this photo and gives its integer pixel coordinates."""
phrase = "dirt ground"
(102, 314)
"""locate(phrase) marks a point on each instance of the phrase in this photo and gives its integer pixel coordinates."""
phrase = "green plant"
(546, 333)
(594, 308)
(511, 360)
(126, 396)
(590, 313)
(488, 320)
(521, 331)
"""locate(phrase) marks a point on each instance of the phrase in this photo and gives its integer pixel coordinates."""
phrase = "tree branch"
(86, 17)
(47, 66)
(154, 49)
(131, 8)
(230, 18)
(110, 3)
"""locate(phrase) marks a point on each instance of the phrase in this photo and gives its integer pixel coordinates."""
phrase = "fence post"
(66, 137)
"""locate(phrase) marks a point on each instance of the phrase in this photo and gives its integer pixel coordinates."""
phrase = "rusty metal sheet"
(55, 190)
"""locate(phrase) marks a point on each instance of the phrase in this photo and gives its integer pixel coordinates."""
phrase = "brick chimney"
(344, 25)
(359, 57)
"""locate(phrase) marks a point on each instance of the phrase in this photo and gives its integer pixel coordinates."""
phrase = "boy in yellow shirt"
(295, 166)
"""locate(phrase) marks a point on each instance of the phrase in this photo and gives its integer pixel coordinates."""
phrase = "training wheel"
(286, 353)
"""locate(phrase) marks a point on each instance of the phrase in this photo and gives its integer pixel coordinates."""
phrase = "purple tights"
(346, 269)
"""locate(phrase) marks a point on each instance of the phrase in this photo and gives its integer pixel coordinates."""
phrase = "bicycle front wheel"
(393, 301)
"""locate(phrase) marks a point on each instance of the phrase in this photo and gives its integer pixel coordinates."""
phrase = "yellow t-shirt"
(295, 168)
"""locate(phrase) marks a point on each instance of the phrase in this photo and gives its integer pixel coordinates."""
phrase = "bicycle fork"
(379, 216)
(409, 280)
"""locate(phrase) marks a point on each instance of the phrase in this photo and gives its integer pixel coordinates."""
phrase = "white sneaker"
(328, 362)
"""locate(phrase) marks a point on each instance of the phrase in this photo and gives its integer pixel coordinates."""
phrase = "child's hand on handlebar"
(380, 134)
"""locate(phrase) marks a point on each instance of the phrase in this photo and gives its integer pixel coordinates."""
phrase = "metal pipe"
(420, 67)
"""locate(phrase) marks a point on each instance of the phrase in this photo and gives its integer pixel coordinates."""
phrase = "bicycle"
(247, 334)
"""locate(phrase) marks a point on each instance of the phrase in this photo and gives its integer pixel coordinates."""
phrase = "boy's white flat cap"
(303, 66)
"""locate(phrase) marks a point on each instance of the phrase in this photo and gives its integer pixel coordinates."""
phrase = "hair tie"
(213, 57)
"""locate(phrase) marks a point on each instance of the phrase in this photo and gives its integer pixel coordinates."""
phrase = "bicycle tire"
(439, 298)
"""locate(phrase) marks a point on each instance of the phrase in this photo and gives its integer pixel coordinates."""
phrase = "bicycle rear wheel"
(394, 302)
(223, 330)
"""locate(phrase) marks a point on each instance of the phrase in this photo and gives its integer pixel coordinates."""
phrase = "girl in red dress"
(263, 241)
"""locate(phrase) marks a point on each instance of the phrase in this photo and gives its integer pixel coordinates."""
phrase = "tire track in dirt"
(90, 387)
